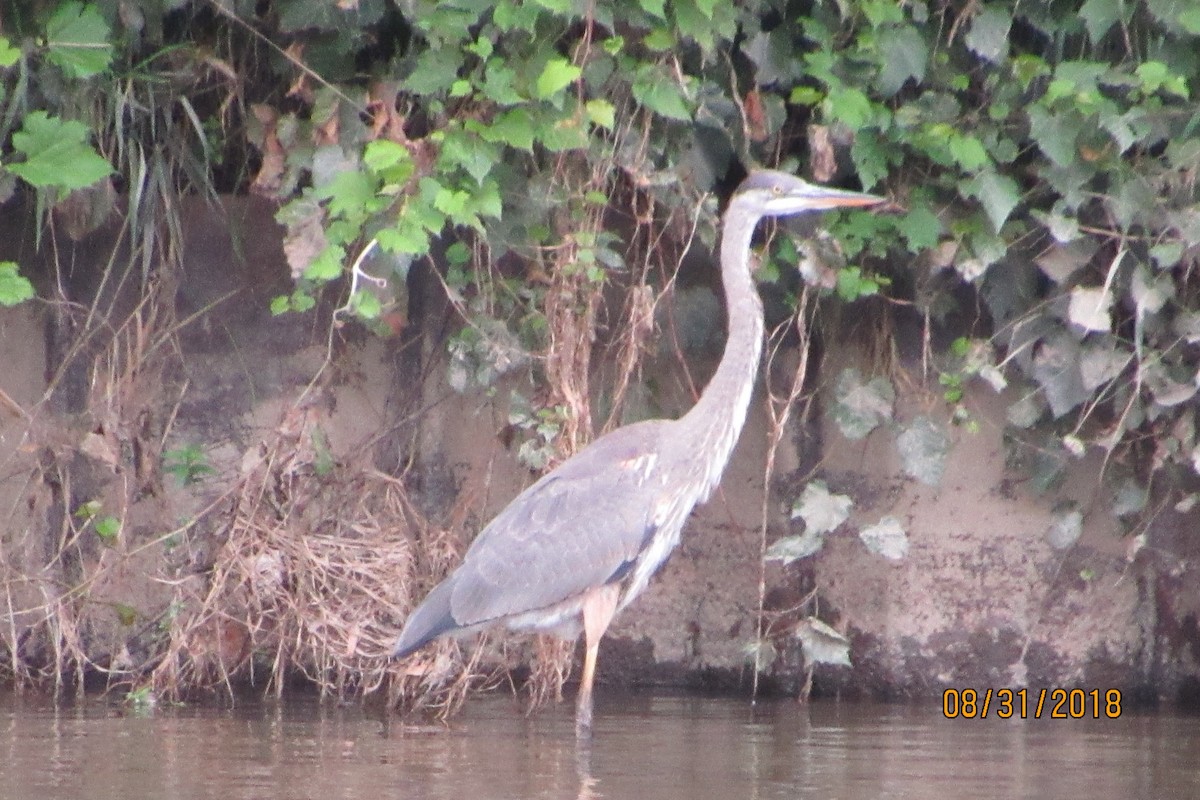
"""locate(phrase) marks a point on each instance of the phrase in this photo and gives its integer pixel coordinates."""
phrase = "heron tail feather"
(430, 620)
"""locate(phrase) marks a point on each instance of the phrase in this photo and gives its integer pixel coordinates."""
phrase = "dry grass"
(314, 577)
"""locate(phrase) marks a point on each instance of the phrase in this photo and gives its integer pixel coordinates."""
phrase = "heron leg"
(598, 610)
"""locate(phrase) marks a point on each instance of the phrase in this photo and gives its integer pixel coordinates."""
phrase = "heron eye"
(777, 189)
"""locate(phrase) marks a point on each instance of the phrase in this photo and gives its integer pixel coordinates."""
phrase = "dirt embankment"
(196, 491)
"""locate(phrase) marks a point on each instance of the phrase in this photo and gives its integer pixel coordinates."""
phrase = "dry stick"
(779, 414)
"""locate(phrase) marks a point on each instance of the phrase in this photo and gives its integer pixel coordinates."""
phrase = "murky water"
(645, 747)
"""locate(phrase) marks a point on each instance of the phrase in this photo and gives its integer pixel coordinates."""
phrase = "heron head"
(776, 194)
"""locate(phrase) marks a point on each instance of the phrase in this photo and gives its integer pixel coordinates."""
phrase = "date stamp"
(1031, 703)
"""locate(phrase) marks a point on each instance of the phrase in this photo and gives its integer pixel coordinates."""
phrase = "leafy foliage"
(1043, 158)
(1042, 154)
(188, 464)
(14, 288)
(77, 40)
(56, 153)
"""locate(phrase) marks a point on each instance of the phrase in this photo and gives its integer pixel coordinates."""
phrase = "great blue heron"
(578, 545)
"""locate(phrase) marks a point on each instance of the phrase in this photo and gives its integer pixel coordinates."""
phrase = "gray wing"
(580, 526)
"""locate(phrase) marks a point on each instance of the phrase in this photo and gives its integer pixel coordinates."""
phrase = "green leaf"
(1129, 499)
(327, 265)
(660, 94)
(14, 288)
(822, 644)
(1025, 412)
(998, 194)
(302, 301)
(656, 8)
(1189, 20)
(988, 37)
(366, 305)
(860, 407)
(107, 529)
(564, 132)
(968, 152)
(1065, 528)
(794, 548)
(486, 201)
(435, 71)
(805, 96)
(1056, 369)
(659, 39)
(850, 107)
(384, 154)
(1156, 76)
(126, 615)
(482, 47)
(1099, 16)
(870, 158)
(1150, 293)
(407, 237)
(903, 55)
(499, 84)
(821, 510)
(557, 6)
(1054, 134)
(472, 153)
(601, 112)
(56, 153)
(558, 74)
(77, 40)
(513, 128)
(886, 538)
(458, 254)
(1089, 308)
(923, 448)
(351, 194)
(694, 23)
(920, 228)
(1152, 74)
(521, 16)
(8, 54)
(853, 284)
(450, 202)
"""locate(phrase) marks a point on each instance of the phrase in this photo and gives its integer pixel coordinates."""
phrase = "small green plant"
(541, 427)
(323, 461)
(142, 700)
(188, 464)
(952, 386)
(127, 615)
(971, 358)
(107, 527)
(14, 288)
(853, 283)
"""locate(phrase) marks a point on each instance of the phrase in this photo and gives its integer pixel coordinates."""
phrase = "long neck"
(714, 423)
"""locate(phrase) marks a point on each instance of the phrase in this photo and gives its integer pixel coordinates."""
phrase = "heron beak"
(821, 198)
